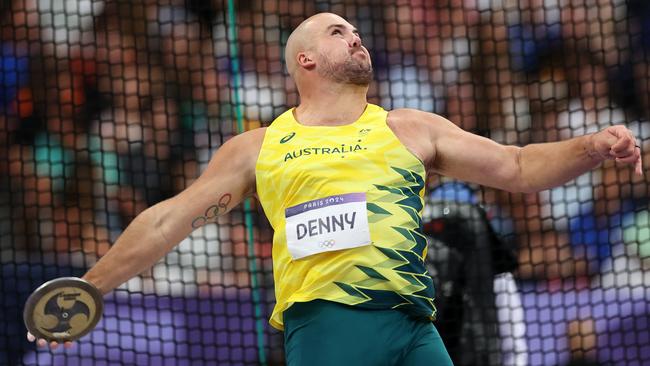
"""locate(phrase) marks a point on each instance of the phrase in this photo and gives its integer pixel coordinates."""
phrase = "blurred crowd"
(109, 106)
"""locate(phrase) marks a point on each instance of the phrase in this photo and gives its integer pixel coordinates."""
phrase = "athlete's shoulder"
(250, 136)
(256, 133)
(410, 115)
(417, 130)
(249, 141)
(413, 120)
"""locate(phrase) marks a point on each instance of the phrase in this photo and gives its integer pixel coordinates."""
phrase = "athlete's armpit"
(213, 211)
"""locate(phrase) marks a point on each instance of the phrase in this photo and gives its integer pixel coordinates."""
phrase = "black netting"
(110, 106)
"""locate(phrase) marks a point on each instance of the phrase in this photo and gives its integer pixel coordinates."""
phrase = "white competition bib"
(327, 224)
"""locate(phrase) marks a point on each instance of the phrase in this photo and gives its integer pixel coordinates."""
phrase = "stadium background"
(109, 106)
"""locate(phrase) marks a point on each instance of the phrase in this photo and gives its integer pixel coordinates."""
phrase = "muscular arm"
(448, 150)
(229, 178)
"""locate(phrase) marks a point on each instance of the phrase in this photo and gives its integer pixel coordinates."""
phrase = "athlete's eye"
(336, 31)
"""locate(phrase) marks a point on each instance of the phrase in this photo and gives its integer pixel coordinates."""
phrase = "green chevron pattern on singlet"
(405, 258)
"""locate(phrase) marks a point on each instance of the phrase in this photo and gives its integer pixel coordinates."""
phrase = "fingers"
(638, 165)
(633, 158)
(625, 150)
(621, 136)
(629, 159)
(623, 147)
(43, 343)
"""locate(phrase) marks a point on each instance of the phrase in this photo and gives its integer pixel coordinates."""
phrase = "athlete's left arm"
(453, 152)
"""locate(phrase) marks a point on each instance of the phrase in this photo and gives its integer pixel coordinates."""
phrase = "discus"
(64, 309)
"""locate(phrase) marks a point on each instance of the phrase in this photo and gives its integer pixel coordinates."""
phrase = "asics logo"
(287, 137)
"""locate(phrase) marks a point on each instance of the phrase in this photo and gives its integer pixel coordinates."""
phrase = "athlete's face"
(340, 54)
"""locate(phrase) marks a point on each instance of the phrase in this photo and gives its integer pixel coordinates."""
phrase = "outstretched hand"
(618, 143)
(43, 343)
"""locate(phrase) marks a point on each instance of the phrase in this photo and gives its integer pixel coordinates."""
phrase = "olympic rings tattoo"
(212, 212)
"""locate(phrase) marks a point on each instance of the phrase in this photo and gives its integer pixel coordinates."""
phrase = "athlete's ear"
(306, 60)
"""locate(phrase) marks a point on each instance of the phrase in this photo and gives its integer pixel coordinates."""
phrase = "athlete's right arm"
(228, 179)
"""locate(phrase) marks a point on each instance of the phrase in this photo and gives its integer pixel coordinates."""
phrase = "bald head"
(299, 40)
(326, 48)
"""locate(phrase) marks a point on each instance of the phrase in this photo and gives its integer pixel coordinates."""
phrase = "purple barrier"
(152, 330)
(621, 318)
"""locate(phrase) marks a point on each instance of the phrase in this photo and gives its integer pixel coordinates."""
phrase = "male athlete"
(342, 183)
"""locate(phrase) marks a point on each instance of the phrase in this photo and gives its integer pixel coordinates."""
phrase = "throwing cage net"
(110, 106)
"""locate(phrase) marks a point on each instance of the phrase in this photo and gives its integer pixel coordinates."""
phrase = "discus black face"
(64, 309)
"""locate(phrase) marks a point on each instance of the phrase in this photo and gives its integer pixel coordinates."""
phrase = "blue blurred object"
(598, 234)
(14, 66)
(529, 44)
(453, 191)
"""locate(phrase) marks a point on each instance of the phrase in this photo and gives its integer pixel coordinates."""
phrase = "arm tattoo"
(212, 212)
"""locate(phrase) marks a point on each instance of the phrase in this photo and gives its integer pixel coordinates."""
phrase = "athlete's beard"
(350, 71)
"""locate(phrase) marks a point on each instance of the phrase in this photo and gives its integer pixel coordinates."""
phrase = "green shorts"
(327, 333)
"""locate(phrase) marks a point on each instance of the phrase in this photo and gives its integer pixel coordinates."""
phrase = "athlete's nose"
(356, 41)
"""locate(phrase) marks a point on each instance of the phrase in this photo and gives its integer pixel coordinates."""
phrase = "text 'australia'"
(342, 149)
(329, 224)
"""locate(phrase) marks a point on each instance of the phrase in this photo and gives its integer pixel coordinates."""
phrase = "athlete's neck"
(331, 104)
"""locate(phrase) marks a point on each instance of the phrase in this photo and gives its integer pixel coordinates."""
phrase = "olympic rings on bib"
(327, 243)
